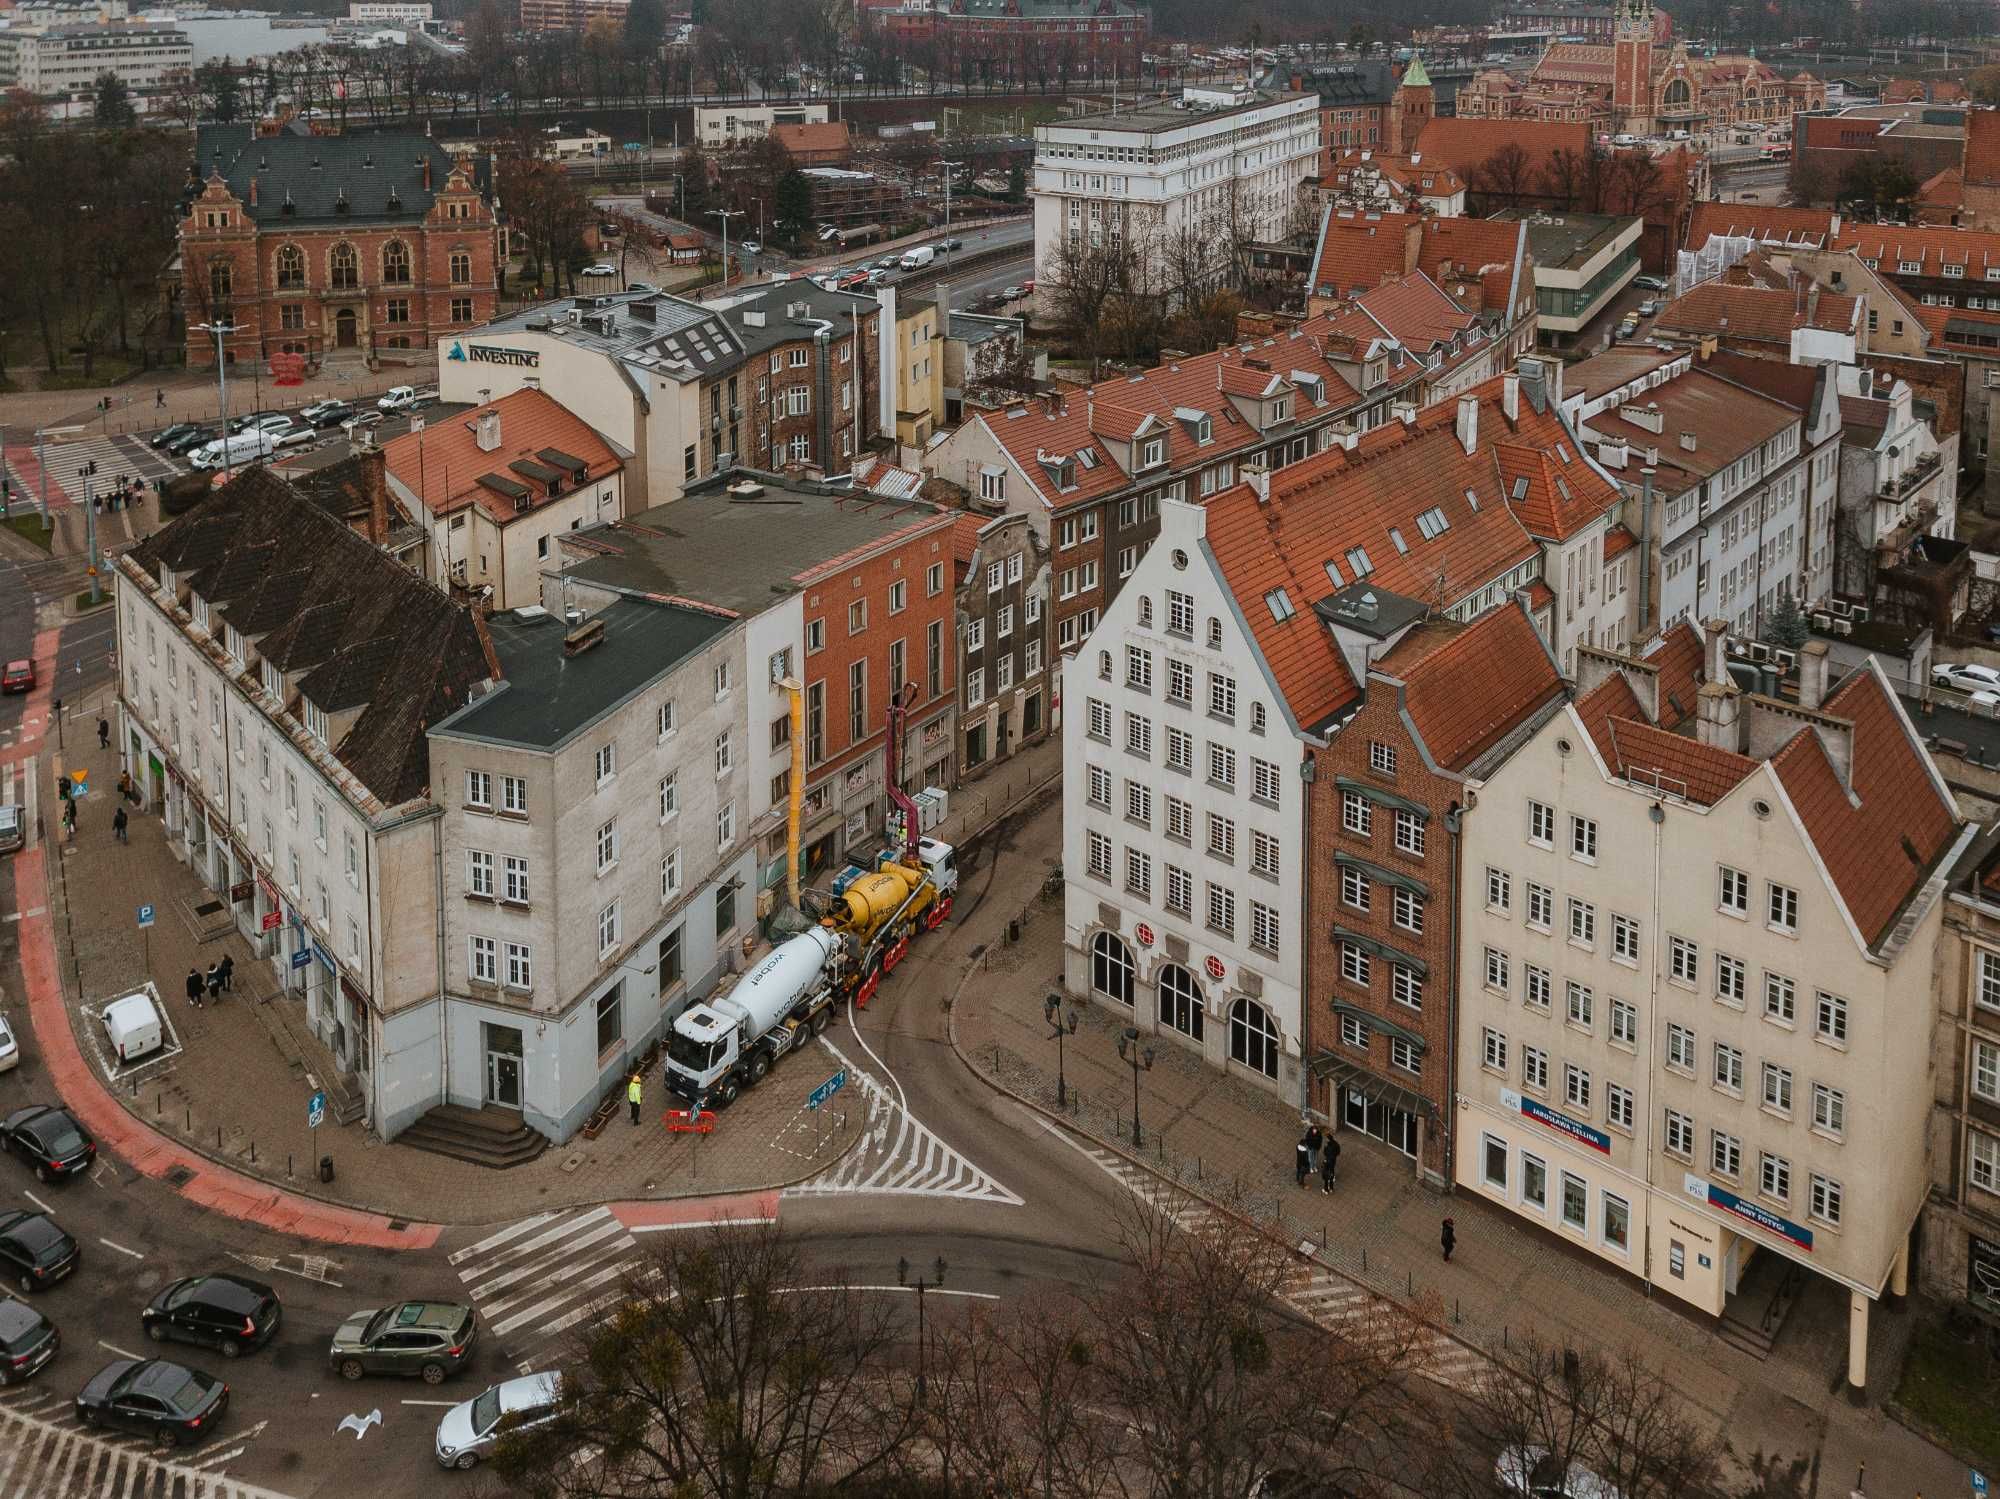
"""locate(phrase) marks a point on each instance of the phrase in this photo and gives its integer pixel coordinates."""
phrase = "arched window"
(344, 267)
(461, 267)
(221, 280)
(1180, 1001)
(1253, 1039)
(1111, 967)
(291, 267)
(1677, 92)
(396, 263)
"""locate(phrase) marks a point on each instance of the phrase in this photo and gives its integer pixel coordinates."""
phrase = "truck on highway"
(719, 1048)
(916, 259)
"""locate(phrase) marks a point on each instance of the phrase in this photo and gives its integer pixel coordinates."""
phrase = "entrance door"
(344, 328)
(503, 1066)
(1403, 1131)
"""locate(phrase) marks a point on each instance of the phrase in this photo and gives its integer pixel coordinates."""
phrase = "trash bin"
(326, 1168)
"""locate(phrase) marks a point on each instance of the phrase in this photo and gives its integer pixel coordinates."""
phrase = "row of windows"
(1177, 892)
(1178, 821)
(1357, 817)
(898, 600)
(1253, 1035)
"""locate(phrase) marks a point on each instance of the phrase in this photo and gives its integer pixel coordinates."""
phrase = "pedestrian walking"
(214, 982)
(1329, 1164)
(69, 818)
(103, 734)
(126, 790)
(226, 970)
(634, 1091)
(159, 400)
(194, 987)
(1448, 1237)
(118, 825)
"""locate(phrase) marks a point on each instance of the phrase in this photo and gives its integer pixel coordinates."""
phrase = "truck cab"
(941, 859)
(701, 1049)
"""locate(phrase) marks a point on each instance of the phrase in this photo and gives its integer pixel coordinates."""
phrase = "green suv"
(431, 1338)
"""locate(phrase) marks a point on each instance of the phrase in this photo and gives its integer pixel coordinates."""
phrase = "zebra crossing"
(117, 457)
(900, 1155)
(1320, 1294)
(534, 1280)
(45, 1451)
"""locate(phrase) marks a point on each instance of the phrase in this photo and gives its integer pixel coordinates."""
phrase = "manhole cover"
(397, 1225)
(208, 908)
(180, 1176)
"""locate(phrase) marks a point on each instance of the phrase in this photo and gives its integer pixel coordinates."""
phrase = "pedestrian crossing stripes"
(900, 1155)
(116, 457)
(536, 1279)
(44, 1451)
(1323, 1295)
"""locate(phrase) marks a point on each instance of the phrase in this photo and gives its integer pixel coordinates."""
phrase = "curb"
(973, 969)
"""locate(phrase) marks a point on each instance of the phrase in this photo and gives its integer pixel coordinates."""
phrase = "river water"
(241, 37)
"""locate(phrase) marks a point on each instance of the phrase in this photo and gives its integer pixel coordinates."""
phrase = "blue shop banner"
(1729, 1202)
(1562, 1124)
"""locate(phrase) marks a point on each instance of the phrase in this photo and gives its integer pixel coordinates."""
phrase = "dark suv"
(226, 1312)
(431, 1338)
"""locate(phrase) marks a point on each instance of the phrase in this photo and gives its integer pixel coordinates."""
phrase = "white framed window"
(1499, 889)
(1138, 873)
(1733, 891)
(1829, 1109)
(608, 924)
(1180, 891)
(1825, 1200)
(670, 796)
(1495, 1052)
(1263, 926)
(1575, 1202)
(1180, 820)
(1624, 939)
(1409, 910)
(1830, 1023)
(1264, 854)
(1986, 1071)
(1725, 1154)
(1354, 963)
(1986, 991)
(1683, 961)
(1221, 909)
(1180, 751)
(1680, 1048)
(1222, 697)
(1139, 734)
(1357, 816)
(1576, 1087)
(1541, 911)
(1535, 1068)
(1138, 802)
(483, 959)
(1618, 1106)
(1353, 887)
(723, 756)
(514, 795)
(520, 966)
(1582, 922)
(1355, 1033)
(1537, 988)
(1615, 1221)
(478, 786)
(1777, 1088)
(1493, 1154)
(1406, 986)
(1680, 1135)
(1624, 1023)
(1780, 999)
(478, 873)
(725, 825)
(1264, 781)
(1580, 1003)
(1222, 766)
(1221, 837)
(1541, 824)
(670, 874)
(1783, 909)
(1410, 833)
(1582, 838)
(1774, 1176)
(1982, 1165)
(1381, 757)
(1731, 978)
(1097, 854)
(1728, 1073)
(514, 874)
(1499, 974)
(607, 763)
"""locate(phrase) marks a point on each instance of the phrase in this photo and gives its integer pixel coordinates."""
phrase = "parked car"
(34, 1252)
(267, 421)
(430, 1338)
(396, 397)
(470, 1431)
(167, 435)
(600, 268)
(328, 413)
(1628, 326)
(225, 1312)
(13, 828)
(189, 440)
(1965, 676)
(1012, 294)
(28, 1340)
(361, 421)
(948, 245)
(18, 676)
(1649, 308)
(153, 1398)
(752, 247)
(10, 1049)
(1536, 1473)
(49, 1139)
(132, 1027)
(239, 448)
(1651, 283)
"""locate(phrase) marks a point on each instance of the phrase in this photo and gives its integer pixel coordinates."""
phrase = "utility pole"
(41, 462)
(88, 473)
(725, 214)
(220, 330)
(948, 168)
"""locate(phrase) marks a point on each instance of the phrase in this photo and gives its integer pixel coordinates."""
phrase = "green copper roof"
(1414, 76)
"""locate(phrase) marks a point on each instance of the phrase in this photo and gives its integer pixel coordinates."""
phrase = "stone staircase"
(1756, 1314)
(311, 1062)
(486, 1137)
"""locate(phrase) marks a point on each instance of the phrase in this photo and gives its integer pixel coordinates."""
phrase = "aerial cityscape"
(999, 748)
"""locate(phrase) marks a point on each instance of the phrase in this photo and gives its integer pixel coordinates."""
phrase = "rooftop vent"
(745, 489)
(583, 637)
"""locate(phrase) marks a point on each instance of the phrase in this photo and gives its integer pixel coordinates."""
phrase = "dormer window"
(1281, 409)
(233, 642)
(198, 607)
(1205, 430)
(166, 580)
(274, 682)
(1153, 453)
(315, 719)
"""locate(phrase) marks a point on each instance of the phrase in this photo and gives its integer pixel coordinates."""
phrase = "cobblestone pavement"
(1224, 1135)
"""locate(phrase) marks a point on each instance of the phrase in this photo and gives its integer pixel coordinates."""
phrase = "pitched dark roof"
(380, 176)
(351, 627)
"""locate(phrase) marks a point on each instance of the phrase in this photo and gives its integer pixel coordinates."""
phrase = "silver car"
(13, 828)
(10, 1049)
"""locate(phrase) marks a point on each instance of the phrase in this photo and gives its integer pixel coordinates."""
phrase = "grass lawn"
(30, 526)
(83, 599)
(1953, 1385)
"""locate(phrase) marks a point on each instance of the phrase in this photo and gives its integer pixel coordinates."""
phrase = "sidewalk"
(191, 397)
(1220, 1132)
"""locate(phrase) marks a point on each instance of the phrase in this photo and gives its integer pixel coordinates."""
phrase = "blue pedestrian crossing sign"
(145, 916)
(316, 1109)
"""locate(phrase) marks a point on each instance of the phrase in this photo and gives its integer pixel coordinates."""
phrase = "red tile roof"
(829, 135)
(1464, 145)
(1929, 247)
(1678, 656)
(1675, 762)
(443, 464)
(965, 531)
(1756, 313)
(1552, 490)
(1725, 421)
(1772, 225)
(1618, 540)
(1476, 686)
(1423, 319)
(1879, 843)
(1359, 250)
(1493, 250)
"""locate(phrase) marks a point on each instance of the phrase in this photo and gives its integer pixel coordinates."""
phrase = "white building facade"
(62, 63)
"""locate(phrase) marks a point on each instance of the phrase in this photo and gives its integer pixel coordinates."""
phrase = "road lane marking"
(38, 1202)
(114, 1348)
(448, 1404)
(120, 1248)
(660, 1228)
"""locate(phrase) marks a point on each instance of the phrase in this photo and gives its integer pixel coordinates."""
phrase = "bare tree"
(1082, 281)
(1505, 176)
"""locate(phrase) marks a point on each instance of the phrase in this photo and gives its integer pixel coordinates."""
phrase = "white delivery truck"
(916, 259)
(243, 447)
(132, 1026)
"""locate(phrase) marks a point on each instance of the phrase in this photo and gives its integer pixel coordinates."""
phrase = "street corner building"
(328, 245)
(1695, 978)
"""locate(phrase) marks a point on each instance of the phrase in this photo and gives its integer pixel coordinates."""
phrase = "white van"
(915, 259)
(132, 1026)
(244, 447)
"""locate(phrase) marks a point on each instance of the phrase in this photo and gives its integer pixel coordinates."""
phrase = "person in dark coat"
(194, 987)
(103, 734)
(1329, 1163)
(226, 972)
(118, 821)
(215, 981)
(1448, 1237)
(1315, 1138)
(1302, 1162)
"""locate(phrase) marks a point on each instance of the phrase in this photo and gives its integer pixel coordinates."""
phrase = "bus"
(1779, 151)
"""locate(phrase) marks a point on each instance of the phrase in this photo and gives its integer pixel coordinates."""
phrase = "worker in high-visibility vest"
(634, 1091)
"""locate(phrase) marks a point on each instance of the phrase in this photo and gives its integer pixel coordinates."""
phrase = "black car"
(50, 1140)
(223, 1311)
(155, 1399)
(28, 1340)
(34, 1251)
(189, 440)
(166, 436)
(324, 414)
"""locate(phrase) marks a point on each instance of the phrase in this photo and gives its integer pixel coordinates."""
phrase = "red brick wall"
(1348, 756)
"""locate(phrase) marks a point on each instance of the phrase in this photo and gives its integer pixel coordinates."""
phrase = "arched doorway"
(1111, 967)
(344, 328)
(1180, 1001)
(1253, 1038)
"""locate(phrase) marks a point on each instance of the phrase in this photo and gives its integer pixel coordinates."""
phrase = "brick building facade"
(322, 245)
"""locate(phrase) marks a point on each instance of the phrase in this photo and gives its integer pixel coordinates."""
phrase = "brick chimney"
(253, 192)
(1812, 674)
(375, 483)
(1716, 710)
(1715, 651)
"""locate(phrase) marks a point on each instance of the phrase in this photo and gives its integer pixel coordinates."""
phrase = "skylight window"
(1562, 451)
(1472, 499)
(1281, 605)
(1397, 537)
(1433, 524)
(1333, 574)
(1562, 487)
(1357, 561)
(1087, 457)
(1521, 488)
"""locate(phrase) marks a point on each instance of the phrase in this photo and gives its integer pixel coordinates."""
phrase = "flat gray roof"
(550, 696)
(1571, 237)
(1168, 114)
(740, 552)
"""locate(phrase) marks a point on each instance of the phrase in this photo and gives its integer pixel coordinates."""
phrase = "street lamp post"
(1062, 1022)
(948, 167)
(1139, 1059)
(221, 330)
(936, 1279)
(88, 473)
(725, 214)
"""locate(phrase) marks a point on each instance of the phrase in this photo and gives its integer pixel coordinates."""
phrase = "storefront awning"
(1358, 1079)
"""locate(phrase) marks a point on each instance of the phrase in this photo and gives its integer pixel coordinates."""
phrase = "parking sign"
(145, 916)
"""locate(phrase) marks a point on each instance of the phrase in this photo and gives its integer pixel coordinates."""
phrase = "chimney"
(1812, 674)
(1258, 477)
(1531, 384)
(375, 482)
(488, 431)
(1716, 710)
(1468, 424)
(1715, 651)
(1510, 397)
(253, 192)
(427, 174)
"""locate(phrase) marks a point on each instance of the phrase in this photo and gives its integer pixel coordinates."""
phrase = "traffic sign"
(300, 958)
(79, 784)
(1978, 1484)
(827, 1089)
(316, 1109)
(145, 916)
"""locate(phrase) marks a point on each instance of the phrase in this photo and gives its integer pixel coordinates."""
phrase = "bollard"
(218, 1137)
(1410, 1282)
(159, 1104)
(1364, 1257)
(1197, 1168)
(187, 1124)
(1503, 1334)
(1455, 1310)
(288, 1163)
(1322, 1236)
(253, 1152)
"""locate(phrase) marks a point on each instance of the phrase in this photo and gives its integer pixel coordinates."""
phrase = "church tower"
(1410, 107)
(1632, 69)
